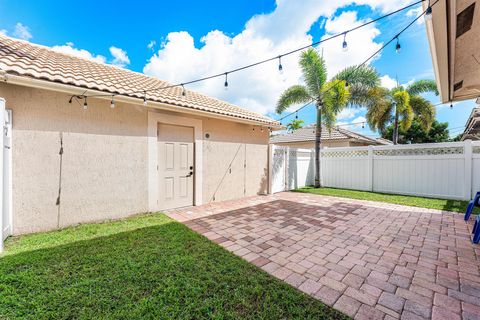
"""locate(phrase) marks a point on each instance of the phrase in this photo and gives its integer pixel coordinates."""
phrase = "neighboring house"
(472, 128)
(336, 137)
(71, 165)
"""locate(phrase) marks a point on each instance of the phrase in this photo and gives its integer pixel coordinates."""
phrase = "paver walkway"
(369, 260)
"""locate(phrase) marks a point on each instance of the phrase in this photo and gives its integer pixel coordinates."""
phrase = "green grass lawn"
(441, 204)
(146, 267)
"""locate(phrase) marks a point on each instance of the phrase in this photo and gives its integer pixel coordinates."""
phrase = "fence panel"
(345, 168)
(278, 168)
(299, 168)
(438, 170)
(475, 167)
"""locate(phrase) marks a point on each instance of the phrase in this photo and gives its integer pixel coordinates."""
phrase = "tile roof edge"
(45, 84)
(272, 122)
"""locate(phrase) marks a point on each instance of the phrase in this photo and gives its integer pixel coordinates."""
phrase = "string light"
(363, 125)
(428, 12)
(276, 57)
(85, 104)
(112, 103)
(280, 67)
(344, 44)
(296, 115)
(369, 58)
(184, 93)
(145, 99)
(226, 81)
(398, 47)
(451, 105)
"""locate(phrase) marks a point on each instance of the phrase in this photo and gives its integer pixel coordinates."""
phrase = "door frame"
(154, 118)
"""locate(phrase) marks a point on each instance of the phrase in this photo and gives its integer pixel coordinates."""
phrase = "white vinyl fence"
(439, 170)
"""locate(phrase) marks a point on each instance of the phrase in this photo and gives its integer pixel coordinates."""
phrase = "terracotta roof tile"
(307, 133)
(30, 60)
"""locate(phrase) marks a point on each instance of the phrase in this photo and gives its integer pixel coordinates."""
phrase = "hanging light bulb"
(145, 99)
(280, 67)
(398, 47)
(112, 103)
(428, 12)
(451, 105)
(346, 84)
(184, 93)
(363, 125)
(85, 104)
(226, 81)
(344, 44)
(296, 115)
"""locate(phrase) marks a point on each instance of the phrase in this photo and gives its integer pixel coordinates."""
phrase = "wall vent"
(458, 85)
(465, 20)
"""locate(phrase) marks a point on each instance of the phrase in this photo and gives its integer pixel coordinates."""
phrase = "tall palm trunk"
(395, 128)
(318, 141)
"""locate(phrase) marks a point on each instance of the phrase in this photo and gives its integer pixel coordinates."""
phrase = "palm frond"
(424, 111)
(379, 109)
(360, 80)
(422, 86)
(294, 95)
(314, 71)
(335, 98)
(403, 108)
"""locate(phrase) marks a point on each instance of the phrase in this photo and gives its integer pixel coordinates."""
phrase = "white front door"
(175, 166)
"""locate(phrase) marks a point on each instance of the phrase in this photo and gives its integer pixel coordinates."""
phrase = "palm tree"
(399, 106)
(294, 125)
(349, 87)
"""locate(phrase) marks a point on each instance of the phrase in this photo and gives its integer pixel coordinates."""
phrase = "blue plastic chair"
(475, 202)
(476, 230)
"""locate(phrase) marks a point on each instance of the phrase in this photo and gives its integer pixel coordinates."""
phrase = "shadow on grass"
(156, 272)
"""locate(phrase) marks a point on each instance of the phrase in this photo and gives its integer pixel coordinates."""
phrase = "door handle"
(189, 174)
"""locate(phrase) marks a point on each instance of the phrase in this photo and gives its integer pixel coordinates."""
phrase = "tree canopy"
(417, 133)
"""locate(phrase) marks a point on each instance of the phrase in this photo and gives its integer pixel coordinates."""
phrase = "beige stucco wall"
(103, 173)
(104, 168)
(239, 147)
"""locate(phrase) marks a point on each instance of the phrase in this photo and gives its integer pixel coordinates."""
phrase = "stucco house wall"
(103, 171)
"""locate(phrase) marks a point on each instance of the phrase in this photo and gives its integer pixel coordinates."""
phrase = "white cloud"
(347, 113)
(151, 45)
(22, 32)
(3, 31)
(359, 122)
(81, 53)
(264, 36)
(361, 44)
(388, 82)
(120, 57)
(415, 13)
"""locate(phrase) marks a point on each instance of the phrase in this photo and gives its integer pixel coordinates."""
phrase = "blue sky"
(194, 38)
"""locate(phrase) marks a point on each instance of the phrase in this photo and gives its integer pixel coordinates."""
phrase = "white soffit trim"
(437, 34)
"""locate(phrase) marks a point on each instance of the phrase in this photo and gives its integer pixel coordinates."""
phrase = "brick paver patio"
(369, 260)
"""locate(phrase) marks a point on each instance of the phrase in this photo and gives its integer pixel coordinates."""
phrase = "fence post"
(467, 152)
(370, 169)
(271, 149)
